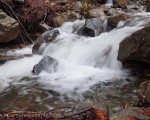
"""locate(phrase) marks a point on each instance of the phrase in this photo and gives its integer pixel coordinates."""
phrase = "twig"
(58, 109)
(107, 112)
(67, 116)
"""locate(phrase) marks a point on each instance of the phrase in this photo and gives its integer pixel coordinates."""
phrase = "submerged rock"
(9, 28)
(134, 51)
(45, 38)
(48, 64)
(92, 27)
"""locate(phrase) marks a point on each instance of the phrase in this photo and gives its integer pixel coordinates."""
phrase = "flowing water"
(88, 72)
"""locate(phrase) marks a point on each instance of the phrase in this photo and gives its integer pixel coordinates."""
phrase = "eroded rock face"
(136, 47)
(9, 28)
(120, 3)
(45, 38)
(48, 64)
(92, 27)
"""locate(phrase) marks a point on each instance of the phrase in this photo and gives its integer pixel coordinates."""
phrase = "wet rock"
(136, 48)
(133, 113)
(95, 13)
(77, 5)
(9, 28)
(45, 38)
(69, 16)
(145, 89)
(148, 6)
(92, 27)
(48, 64)
(120, 3)
(113, 11)
(114, 20)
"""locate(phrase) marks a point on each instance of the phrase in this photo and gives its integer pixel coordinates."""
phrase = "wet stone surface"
(31, 97)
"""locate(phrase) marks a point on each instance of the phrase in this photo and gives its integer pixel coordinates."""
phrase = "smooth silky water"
(87, 74)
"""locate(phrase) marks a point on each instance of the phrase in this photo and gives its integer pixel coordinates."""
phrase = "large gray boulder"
(9, 28)
(136, 47)
(47, 64)
(92, 27)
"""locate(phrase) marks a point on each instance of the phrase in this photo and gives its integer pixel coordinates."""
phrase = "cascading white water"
(109, 1)
(83, 61)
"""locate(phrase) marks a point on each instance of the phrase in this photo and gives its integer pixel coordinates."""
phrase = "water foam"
(83, 61)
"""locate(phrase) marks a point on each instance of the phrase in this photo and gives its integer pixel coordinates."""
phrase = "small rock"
(77, 5)
(69, 16)
(114, 20)
(48, 64)
(145, 89)
(120, 3)
(113, 11)
(96, 13)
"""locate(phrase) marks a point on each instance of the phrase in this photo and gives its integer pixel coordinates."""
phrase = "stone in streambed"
(145, 90)
(92, 27)
(68, 16)
(96, 13)
(136, 48)
(114, 20)
(48, 64)
(48, 36)
(120, 3)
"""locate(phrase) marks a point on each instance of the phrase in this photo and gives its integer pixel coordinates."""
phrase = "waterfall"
(83, 61)
(109, 1)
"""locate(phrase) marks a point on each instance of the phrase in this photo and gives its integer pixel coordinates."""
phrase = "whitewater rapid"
(83, 61)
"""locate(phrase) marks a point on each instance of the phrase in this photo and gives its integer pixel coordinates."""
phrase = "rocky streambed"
(97, 56)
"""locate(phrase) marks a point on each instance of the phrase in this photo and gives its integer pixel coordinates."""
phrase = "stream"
(87, 74)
